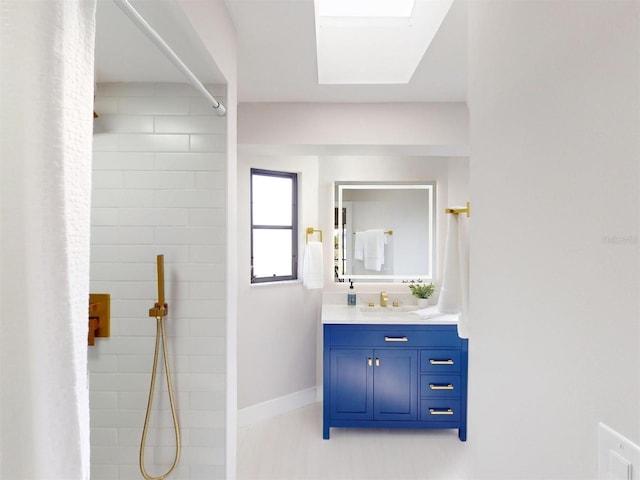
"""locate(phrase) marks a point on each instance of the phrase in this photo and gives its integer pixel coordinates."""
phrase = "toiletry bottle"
(351, 297)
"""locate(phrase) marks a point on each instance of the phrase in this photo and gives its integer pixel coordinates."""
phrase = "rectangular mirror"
(384, 231)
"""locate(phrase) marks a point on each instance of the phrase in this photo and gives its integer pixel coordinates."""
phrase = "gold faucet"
(383, 299)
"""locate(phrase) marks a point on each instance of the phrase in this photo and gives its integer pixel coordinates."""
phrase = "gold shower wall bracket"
(160, 308)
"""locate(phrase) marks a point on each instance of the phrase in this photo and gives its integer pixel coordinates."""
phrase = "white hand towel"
(449, 300)
(425, 313)
(433, 312)
(312, 271)
(463, 264)
(454, 294)
(358, 246)
(374, 249)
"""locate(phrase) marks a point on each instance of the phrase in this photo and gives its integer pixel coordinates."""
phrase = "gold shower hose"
(159, 311)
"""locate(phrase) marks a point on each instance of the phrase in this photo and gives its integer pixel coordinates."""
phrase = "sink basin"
(379, 309)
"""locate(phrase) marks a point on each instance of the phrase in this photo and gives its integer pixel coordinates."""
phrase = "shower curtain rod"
(136, 18)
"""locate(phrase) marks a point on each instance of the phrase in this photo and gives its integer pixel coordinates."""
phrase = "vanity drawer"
(439, 410)
(440, 361)
(391, 336)
(440, 386)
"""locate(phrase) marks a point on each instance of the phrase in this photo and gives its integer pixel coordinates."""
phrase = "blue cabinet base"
(395, 376)
(462, 432)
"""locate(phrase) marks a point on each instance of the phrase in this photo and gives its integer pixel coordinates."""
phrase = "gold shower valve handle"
(99, 316)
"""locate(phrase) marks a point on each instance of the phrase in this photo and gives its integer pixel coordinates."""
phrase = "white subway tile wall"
(159, 187)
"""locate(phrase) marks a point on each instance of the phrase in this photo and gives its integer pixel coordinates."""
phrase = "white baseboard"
(277, 406)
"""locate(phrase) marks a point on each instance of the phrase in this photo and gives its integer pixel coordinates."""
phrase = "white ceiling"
(276, 54)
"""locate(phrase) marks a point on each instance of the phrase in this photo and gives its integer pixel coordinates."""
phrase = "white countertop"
(361, 314)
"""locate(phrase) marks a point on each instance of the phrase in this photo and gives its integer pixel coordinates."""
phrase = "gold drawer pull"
(369, 361)
(433, 386)
(433, 411)
(396, 339)
(441, 362)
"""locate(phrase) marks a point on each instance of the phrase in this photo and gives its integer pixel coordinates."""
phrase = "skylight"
(365, 8)
(374, 41)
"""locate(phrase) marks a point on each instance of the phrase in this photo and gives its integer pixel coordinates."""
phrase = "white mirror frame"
(430, 211)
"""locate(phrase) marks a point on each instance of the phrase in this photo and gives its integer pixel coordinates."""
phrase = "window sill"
(281, 282)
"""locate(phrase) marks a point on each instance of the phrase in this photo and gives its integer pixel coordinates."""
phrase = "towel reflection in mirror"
(369, 248)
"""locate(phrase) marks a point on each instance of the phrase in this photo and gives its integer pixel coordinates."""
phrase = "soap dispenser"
(351, 297)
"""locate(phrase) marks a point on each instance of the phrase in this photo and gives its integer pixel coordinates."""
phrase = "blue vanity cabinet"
(394, 376)
(351, 384)
(373, 384)
(394, 386)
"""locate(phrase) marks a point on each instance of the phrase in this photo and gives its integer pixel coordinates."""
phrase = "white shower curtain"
(46, 99)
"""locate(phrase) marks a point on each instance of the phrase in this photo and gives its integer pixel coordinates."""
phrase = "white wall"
(433, 129)
(159, 187)
(213, 25)
(276, 322)
(554, 344)
(458, 185)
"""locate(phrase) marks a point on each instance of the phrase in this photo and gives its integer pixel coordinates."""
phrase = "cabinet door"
(395, 391)
(351, 384)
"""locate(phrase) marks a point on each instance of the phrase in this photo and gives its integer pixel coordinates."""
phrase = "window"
(274, 226)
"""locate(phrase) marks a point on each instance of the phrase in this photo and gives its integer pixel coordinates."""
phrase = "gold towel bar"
(456, 211)
(311, 231)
